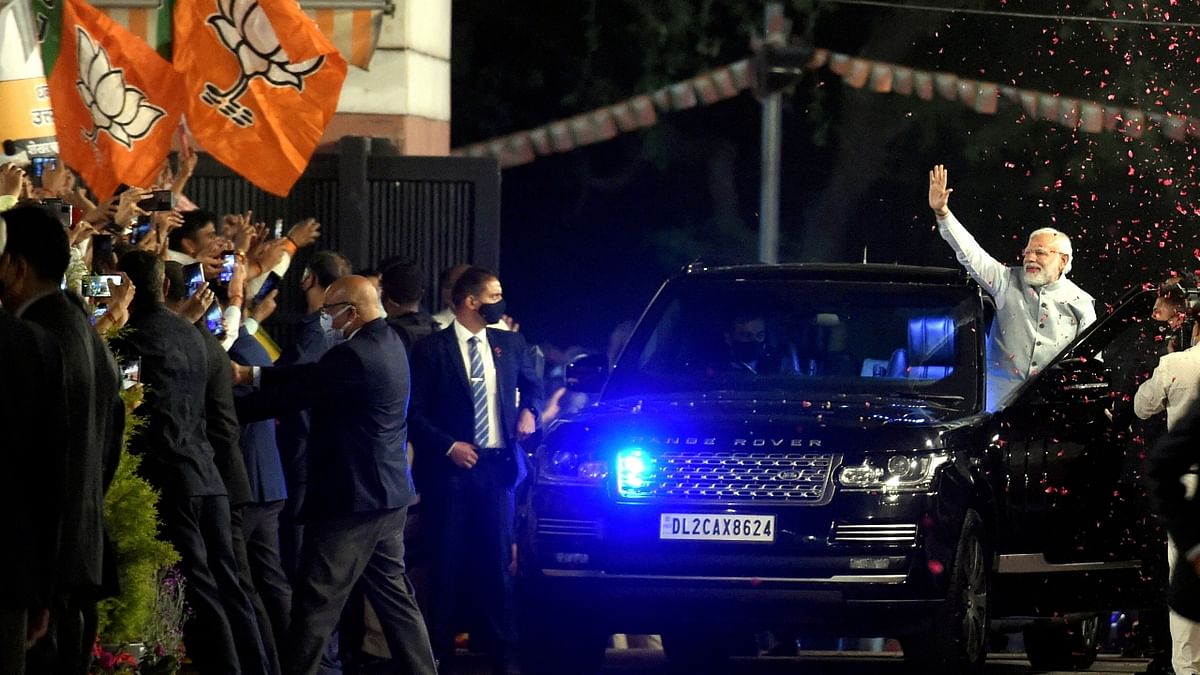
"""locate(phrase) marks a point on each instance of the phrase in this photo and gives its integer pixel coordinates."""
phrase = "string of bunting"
(880, 77)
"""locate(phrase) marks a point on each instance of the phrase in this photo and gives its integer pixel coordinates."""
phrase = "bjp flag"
(116, 102)
(249, 104)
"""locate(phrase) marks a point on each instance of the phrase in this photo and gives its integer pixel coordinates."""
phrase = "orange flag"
(116, 102)
(252, 107)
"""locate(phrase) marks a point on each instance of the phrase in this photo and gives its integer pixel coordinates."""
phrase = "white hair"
(1063, 241)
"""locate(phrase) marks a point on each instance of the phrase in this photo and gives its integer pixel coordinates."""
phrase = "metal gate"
(434, 211)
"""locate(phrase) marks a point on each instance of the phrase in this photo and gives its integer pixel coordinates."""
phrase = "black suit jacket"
(33, 416)
(442, 409)
(1170, 458)
(176, 455)
(95, 422)
(357, 396)
(221, 422)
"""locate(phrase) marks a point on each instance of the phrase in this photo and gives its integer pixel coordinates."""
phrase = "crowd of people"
(285, 478)
(299, 486)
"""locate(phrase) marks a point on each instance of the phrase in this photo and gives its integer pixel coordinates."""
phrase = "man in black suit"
(467, 422)
(224, 435)
(357, 394)
(32, 414)
(178, 460)
(1170, 459)
(35, 261)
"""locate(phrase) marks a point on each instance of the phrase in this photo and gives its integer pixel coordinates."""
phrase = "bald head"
(359, 292)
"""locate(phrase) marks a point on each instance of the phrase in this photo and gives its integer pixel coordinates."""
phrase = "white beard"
(1036, 279)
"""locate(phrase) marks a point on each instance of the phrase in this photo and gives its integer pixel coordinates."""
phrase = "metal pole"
(772, 117)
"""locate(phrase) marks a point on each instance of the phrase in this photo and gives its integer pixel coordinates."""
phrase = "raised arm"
(989, 272)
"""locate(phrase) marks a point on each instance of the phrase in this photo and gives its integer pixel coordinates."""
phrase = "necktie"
(478, 394)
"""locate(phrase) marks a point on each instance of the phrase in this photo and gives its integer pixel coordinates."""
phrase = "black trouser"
(67, 647)
(339, 552)
(472, 517)
(13, 628)
(260, 525)
(249, 584)
(222, 635)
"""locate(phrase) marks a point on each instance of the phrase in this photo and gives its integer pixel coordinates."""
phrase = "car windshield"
(803, 338)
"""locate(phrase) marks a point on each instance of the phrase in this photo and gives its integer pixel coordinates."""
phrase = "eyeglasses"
(1040, 252)
(325, 308)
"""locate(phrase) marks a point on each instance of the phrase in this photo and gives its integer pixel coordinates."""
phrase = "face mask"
(493, 312)
(748, 352)
(333, 336)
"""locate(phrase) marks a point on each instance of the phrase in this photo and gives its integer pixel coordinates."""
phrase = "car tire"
(956, 639)
(705, 651)
(1063, 646)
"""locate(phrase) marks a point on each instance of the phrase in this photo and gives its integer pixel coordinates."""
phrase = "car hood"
(736, 423)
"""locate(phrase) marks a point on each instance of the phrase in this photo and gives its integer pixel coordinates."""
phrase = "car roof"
(872, 272)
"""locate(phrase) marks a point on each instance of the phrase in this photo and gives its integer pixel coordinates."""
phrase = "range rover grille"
(741, 476)
(566, 527)
(899, 534)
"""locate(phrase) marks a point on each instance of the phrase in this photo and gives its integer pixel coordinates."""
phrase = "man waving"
(1038, 310)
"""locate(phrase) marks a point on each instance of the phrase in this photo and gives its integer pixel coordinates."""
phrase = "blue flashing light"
(635, 471)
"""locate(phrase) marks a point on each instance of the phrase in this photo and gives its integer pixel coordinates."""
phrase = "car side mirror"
(586, 373)
(1075, 378)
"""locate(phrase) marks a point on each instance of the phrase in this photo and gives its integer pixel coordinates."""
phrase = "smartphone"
(269, 284)
(212, 320)
(65, 213)
(97, 285)
(159, 200)
(131, 373)
(140, 229)
(194, 274)
(228, 259)
(38, 166)
(278, 227)
(102, 253)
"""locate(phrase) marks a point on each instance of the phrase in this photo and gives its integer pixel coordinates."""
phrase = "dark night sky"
(589, 235)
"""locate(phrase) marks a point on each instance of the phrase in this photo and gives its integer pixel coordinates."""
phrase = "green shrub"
(131, 514)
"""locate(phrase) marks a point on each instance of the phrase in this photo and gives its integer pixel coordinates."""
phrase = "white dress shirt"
(1173, 387)
(495, 437)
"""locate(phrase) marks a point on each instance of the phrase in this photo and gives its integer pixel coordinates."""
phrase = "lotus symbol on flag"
(246, 31)
(116, 107)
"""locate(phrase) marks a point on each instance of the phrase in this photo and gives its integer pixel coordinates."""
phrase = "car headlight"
(893, 473)
(574, 466)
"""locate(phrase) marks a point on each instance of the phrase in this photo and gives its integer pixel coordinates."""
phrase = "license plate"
(717, 527)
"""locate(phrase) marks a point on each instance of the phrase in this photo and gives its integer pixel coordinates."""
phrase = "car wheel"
(1063, 646)
(956, 638)
(705, 651)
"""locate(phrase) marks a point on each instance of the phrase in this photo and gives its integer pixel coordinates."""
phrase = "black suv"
(842, 479)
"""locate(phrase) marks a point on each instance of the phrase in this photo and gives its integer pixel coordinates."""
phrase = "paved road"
(652, 662)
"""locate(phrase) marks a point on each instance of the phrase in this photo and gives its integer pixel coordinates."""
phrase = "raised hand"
(305, 232)
(939, 194)
(12, 177)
